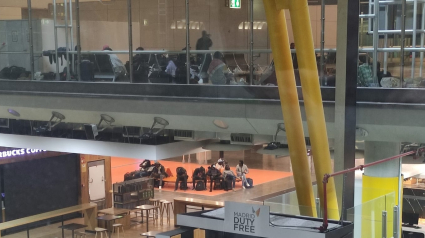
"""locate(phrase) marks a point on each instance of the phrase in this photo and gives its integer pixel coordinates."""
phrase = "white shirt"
(117, 64)
(171, 68)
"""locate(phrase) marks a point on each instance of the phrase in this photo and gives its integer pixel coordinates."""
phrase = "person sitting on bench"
(158, 172)
(241, 171)
(215, 176)
(145, 169)
(229, 175)
(181, 176)
(220, 164)
(199, 174)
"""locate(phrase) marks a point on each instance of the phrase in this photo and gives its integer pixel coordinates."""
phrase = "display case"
(130, 194)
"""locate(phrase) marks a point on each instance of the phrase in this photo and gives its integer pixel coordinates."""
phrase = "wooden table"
(181, 203)
(108, 219)
(146, 208)
(72, 227)
(89, 210)
(125, 213)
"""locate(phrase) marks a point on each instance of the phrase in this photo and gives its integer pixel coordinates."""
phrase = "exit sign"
(235, 3)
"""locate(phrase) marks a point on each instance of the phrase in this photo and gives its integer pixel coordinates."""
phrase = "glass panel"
(367, 217)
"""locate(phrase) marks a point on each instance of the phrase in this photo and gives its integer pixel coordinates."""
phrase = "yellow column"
(378, 194)
(290, 106)
(301, 27)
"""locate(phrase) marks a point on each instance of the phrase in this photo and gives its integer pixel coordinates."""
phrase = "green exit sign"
(235, 3)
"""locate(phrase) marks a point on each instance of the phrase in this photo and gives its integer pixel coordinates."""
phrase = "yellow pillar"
(301, 26)
(290, 106)
(378, 194)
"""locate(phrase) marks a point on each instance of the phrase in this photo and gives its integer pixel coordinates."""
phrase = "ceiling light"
(156, 121)
(93, 130)
(13, 112)
(55, 119)
(220, 124)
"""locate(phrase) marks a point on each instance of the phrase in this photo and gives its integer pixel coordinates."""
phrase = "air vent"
(241, 139)
(183, 134)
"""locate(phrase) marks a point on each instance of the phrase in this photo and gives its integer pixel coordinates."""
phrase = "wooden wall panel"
(84, 195)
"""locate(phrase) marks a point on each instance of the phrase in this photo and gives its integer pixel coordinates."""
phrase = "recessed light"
(13, 112)
(220, 124)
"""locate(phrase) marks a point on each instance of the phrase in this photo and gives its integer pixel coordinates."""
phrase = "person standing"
(204, 43)
(241, 171)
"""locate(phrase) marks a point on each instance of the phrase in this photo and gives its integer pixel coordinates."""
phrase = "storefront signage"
(19, 152)
(246, 219)
(235, 3)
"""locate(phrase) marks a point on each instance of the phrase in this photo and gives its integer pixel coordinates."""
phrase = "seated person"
(214, 174)
(220, 164)
(229, 175)
(158, 172)
(117, 65)
(241, 171)
(171, 69)
(145, 169)
(140, 58)
(181, 176)
(199, 174)
(218, 71)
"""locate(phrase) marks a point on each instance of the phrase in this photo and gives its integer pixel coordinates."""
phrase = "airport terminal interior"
(212, 118)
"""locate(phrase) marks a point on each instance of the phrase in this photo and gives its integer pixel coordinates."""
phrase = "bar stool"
(155, 202)
(100, 231)
(161, 210)
(167, 206)
(81, 234)
(116, 227)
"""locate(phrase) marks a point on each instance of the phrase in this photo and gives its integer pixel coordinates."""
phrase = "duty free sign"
(246, 219)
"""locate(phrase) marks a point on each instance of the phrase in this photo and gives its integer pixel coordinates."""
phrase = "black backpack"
(16, 72)
(183, 186)
(226, 184)
(200, 186)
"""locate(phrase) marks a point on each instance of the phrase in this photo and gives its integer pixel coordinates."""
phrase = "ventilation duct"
(186, 135)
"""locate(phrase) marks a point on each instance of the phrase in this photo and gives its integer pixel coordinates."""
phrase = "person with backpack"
(158, 172)
(199, 174)
(215, 175)
(181, 176)
(229, 177)
(241, 171)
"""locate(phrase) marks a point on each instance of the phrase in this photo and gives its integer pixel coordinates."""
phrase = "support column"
(378, 181)
(279, 40)
(303, 36)
(345, 99)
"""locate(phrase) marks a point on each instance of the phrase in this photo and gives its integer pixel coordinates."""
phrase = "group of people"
(214, 69)
(199, 176)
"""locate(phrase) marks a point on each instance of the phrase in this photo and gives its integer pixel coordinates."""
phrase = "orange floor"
(120, 166)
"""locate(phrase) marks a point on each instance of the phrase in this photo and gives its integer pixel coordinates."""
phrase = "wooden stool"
(155, 202)
(117, 227)
(101, 230)
(81, 234)
(167, 206)
(161, 210)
